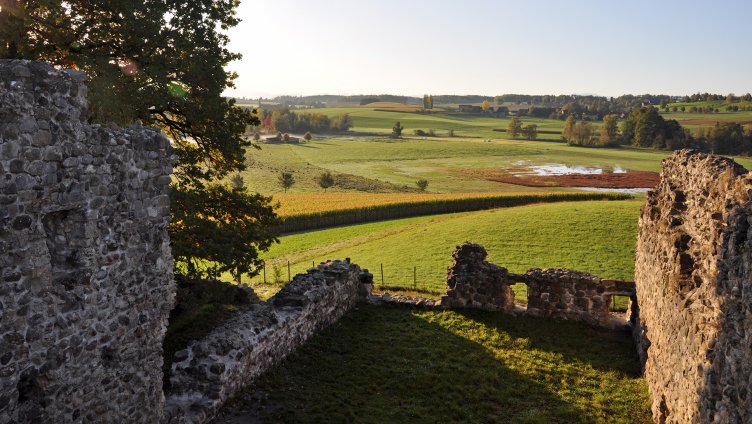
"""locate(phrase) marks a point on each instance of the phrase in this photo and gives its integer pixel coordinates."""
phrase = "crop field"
(396, 365)
(379, 165)
(594, 236)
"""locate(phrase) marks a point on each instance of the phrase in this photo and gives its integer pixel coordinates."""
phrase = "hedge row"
(318, 220)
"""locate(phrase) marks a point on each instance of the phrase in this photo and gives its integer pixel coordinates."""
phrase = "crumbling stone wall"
(213, 369)
(573, 295)
(558, 293)
(474, 283)
(694, 288)
(85, 265)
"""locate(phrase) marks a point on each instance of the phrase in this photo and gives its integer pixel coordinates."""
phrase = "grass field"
(596, 237)
(396, 365)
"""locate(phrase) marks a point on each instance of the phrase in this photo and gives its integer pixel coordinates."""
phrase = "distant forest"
(597, 106)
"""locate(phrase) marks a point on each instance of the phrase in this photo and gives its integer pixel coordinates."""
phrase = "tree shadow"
(393, 364)
(574, 341)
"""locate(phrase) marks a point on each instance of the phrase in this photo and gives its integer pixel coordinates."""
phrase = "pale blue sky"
(413, 47)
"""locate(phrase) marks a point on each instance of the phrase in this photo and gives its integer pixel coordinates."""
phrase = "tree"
(161, 63)
(286, 180)
(609, 131)
(422, 184)
(307, 136)
(397, 129)
(426, 103)
(515, 127)
(325, 180)
(568, 132)
(430, 101)
(530, 131)
(485, 105)
(208, 240)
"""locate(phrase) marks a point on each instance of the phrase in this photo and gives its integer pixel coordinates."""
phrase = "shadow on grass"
(396, 365)
(573, 341)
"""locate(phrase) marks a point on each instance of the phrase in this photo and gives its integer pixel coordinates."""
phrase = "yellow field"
(307, 203)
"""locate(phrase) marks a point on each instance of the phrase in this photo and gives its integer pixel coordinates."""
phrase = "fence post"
(382, 276)
(288, 272)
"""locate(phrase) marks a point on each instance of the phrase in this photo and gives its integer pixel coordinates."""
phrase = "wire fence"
(411, 279)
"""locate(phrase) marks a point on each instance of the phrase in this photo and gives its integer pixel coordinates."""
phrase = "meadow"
(397, 365)
(593, 236)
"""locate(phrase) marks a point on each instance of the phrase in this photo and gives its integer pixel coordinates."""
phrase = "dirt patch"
(636, 179)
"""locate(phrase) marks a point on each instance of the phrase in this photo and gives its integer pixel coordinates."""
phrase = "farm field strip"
(595, 236)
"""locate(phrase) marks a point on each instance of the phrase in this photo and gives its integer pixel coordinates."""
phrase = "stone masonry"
(474, 283)
(573, 295)
(213, 369)
(694, 288)
(85, 265)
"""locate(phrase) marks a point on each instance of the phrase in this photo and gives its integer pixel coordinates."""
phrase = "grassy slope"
(383, 163)
(596, 237)
(390, 365)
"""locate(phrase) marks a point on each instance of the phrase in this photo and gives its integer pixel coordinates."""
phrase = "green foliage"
(402, 365)
(160, 62)
(422, 184)
(609, 131)
(568, 132)
(325, 180)
(530, 131)
(286, 180)
(397, 129)
(515, 127)
(307, 136)
(218, 229)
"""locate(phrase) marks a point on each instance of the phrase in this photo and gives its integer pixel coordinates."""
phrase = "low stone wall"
(474, 283)
(573, 295)
(85, 265)
(212, 370)
(694, 287)
(557, 293)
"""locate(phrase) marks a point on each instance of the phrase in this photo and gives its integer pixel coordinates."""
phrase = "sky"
(490, 47)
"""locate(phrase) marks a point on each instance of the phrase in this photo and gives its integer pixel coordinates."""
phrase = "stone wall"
(85, 265)
(557, 293)
(213, 369)
(474, 283)
(573, 295)
(694, 288)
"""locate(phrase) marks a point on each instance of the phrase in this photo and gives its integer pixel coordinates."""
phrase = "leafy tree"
(307, 136)
(515, 127)
(161, 63)
(342, 123)
(208, 240)
(609, 130)
(450, 133)
(485, 105)
(430, 101)
(530, 131)
(426, 103)
(422, 184)
(397, 129)
(286, 180)
(325, 180)
(568, 132)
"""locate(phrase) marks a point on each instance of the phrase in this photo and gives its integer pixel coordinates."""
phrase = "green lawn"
(396, 365)
(596, 237)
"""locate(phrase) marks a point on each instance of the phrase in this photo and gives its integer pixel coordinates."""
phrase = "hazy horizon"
(494, 47)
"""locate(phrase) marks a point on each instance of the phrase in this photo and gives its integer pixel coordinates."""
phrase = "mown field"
(378, 165)
(396, 365)
(594, 236)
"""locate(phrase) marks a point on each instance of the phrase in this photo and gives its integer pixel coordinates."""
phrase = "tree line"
(287, 121)
(645, 127)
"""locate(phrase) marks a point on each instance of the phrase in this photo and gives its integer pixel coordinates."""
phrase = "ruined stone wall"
(557, 293)
(85, 265)
(694, 288)
(213, 369)
(573, 295)
(474, 283)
